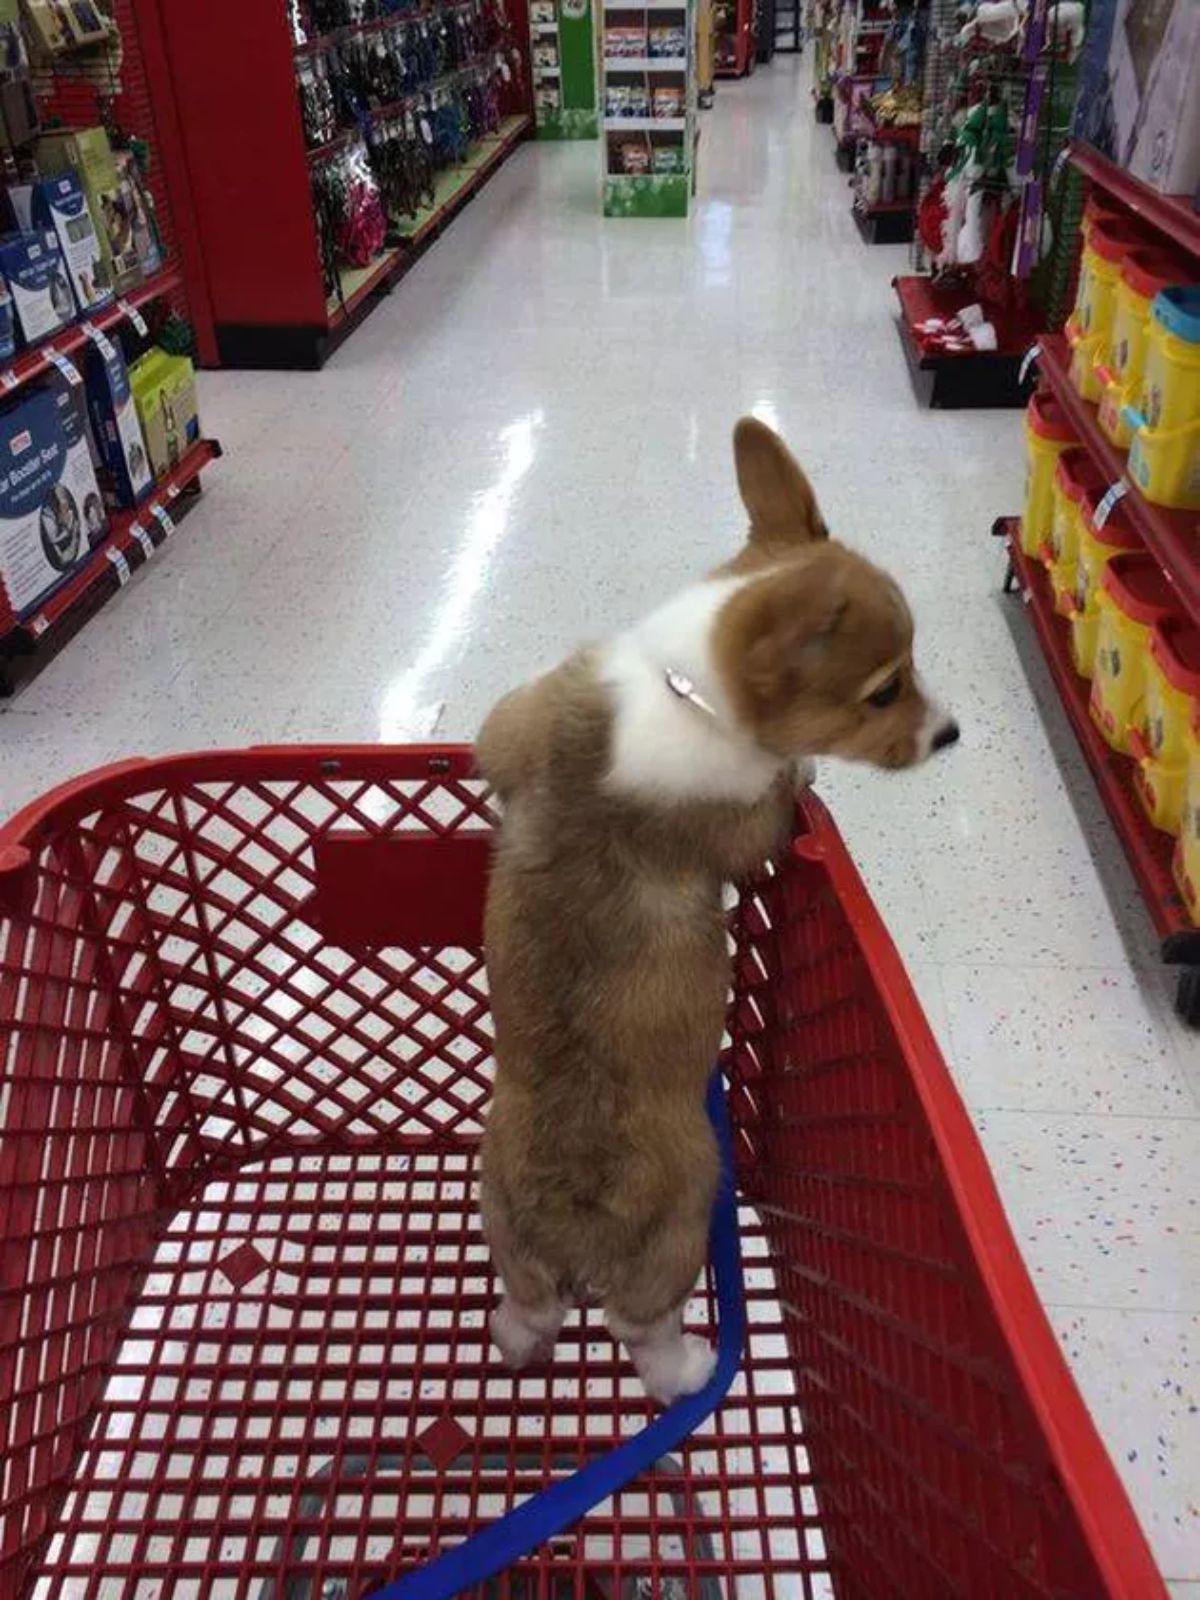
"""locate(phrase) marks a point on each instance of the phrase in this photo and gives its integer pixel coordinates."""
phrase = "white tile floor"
(528, 443)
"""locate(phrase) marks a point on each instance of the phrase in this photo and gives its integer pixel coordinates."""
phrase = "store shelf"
(645, 64)
(646, 5)
(546, 72)
(1171, 214)
(1173, 537)
(133, 537)
(645, 124)
(544, 27)
(456, 184)
(885, 222)
(32, 363)
(949, 380)
(1146, 847)
(452, 189)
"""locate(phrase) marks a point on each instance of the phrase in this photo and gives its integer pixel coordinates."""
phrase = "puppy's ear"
(769, 634)
(783, 508)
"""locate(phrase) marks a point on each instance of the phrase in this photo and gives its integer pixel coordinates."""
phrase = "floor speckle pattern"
(526, 445)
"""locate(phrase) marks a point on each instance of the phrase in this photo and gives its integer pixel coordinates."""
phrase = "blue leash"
(530, 1524)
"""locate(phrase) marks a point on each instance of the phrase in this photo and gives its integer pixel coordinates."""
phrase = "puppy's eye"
(887, 693)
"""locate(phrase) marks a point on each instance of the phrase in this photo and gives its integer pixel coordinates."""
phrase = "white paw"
(519, 1341)
(681, 1367)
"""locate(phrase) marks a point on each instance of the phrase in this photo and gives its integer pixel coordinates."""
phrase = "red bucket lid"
(1139, 586)
(1175, 645)
(1148, 271)
(1112, 237)
(1048, 419)
(1077, 474)
(1118, 532)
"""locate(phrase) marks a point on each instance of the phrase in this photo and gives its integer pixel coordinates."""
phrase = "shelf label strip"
(1116, 491)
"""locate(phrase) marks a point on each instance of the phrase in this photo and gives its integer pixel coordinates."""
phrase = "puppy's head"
(815, 652)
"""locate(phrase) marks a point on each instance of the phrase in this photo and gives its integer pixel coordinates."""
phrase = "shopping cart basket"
(244, 1057)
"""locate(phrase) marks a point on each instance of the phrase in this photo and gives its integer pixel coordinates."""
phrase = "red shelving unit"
(735, 39)
(133, 537)
(948, 381)
(1172, 214)
(1173, 538)
(1147, 849)
(254, 275)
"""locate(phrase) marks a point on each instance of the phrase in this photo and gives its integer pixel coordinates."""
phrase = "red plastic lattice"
(243, 1294)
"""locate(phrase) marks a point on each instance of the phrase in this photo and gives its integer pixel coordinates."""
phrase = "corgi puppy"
(636, 779)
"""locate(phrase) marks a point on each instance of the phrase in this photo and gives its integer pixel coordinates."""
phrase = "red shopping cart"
(243, 1354)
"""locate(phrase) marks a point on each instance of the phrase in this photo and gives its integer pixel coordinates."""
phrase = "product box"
(88, 153)
(8, 332)
(51, 512)
(19, 121)
(57, 27)
(33, 268)
(621, 43)
(146, 239)
(60, 203)
(124, 473)
(1139, 94)
(542, 11)
(164, 392)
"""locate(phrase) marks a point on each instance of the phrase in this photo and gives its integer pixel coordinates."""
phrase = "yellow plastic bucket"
(1047, 434)
(1089, 327)
(1134, 594)
(1164, 456)
(1159, 741)
(1186, 861)
(1075, 476)
(1144, 273)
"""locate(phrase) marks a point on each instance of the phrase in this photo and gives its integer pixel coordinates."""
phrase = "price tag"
(135, 316)
(173, 491)
(426, 130)
(142, 535)
(163, 517)
(38, 626)
(67, 368)
(101, 340)
(9, 379)
(1108, 500)
(120, 566)
(1027, 361)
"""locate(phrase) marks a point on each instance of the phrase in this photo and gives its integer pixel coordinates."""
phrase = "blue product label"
(32, 452)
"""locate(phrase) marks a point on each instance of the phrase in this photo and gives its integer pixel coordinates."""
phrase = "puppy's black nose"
(946, 735)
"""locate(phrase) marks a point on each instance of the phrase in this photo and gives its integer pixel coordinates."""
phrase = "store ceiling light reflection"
(404, 712)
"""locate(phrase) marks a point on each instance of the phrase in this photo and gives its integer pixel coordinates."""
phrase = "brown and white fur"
(636, 780)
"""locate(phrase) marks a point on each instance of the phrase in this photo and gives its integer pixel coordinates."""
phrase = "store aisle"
(529, 443)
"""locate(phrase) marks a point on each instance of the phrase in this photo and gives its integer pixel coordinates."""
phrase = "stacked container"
(1048, 433)
(1099, 542)
(1164, 456)
(1144, 274)
(1159, 741)
(1089, 328)
(1135, 595)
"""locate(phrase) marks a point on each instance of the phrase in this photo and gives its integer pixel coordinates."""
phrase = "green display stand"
(562, 49)
(661, 195)
(647, 99)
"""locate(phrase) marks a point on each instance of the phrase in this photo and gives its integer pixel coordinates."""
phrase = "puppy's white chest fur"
(668, 747)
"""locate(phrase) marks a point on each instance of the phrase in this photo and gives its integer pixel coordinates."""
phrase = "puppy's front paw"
(681, 1367)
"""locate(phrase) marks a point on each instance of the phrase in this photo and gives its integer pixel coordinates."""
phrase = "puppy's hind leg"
(669, 1362)
(645, 1309)
(526, 1323)
(525, 1334)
